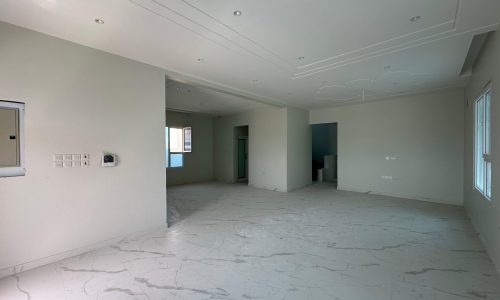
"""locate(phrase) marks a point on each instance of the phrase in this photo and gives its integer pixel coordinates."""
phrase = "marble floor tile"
(236, 242)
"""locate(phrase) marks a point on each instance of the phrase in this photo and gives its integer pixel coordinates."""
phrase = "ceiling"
(306, 54)
(192, 99)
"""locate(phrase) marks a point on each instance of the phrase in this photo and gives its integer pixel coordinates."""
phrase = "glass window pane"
(166, 145)
(479, 134)
(175, 140)
(488, 179)
(187, 139)
(487, 125)
(176, 160)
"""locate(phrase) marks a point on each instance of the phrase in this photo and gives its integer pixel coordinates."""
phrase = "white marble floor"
(236, 242)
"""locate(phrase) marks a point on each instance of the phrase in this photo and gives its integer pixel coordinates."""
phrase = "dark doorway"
(241, 153)
(324, 152)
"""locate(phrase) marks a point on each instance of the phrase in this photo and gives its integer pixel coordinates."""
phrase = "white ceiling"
(188, 98)
(307, 54)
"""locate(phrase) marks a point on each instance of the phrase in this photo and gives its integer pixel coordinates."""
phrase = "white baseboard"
(440, 201)
(18, 268)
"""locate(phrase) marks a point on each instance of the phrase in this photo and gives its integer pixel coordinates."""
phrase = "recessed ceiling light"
(237, 13)
(99, 21)
(415, 19)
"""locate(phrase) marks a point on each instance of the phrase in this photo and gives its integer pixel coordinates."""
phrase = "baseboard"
(439, 201)
(18, 268)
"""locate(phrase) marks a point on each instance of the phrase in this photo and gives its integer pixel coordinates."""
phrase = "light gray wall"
(79, 100)
(299, 150)
(266, 147)
(485, 215)
(425, 135)
(198, 164)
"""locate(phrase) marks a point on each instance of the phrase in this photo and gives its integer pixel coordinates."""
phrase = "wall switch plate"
(76, 164)
(77, 157)
(58, 157)
(68, 157)
(67, 164)
(58, 164)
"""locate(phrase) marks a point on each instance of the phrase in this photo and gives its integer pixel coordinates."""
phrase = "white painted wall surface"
(424, 134)
(198, 164)
(299, 149)
(267, 138)
(485, 215)
(79, 100)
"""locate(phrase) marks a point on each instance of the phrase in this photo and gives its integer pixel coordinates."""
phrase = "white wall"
(299, 149)
(425, 135)
(279, 142)
(198, 164)
(79, 100)
(485, 215)
(266, 147)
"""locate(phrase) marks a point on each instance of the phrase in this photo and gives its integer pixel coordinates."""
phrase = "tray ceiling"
(306, 54)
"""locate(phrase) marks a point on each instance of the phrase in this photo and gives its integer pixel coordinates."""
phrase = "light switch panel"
(76, 164)
(67, 164)
(77, 157)
(58, 157)
(58, 164)
(67, 157)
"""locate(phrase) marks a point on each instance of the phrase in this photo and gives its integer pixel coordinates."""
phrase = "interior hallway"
(237, 242)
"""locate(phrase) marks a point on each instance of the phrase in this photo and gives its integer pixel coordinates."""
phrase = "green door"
(242, 158)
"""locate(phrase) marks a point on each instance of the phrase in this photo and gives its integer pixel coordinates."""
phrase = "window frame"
(21, 169)
(486, 142)
(183, 142)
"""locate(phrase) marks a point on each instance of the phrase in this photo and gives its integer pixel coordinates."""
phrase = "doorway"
(324, 153)
(241, 153)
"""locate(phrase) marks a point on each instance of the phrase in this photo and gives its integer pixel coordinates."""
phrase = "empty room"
(189, 149)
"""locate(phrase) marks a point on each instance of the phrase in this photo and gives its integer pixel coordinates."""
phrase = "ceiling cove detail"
(392, 83)
(190, 17)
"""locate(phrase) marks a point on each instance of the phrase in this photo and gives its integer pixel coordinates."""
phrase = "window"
(482, 144)
(178, 142)
(12, 139)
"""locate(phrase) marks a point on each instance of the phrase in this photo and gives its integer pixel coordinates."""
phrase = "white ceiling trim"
(395, 49)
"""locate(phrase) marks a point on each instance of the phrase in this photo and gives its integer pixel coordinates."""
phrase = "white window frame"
(21, 169)
(486, 155)
(184, 148)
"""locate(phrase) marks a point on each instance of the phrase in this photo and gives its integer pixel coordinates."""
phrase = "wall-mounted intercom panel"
(109, 160)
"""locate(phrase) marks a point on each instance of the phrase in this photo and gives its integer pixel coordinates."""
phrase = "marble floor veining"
(237, 242)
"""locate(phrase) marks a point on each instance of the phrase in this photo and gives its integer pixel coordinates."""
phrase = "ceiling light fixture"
(415, 19)
(99, 21)
(237, 13)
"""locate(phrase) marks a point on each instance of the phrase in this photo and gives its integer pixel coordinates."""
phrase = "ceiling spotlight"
(415, 19)
(237, 13)
(99, 21)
